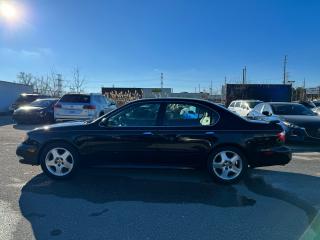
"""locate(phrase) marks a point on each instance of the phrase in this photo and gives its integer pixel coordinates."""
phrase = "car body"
(39, 111)
(317, 103)
(311, 105)
(168, 132)
(25, 99)
(300, 123)
(243, 107)
(82, 107)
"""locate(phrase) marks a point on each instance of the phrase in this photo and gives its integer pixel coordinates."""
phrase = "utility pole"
(304, 88)
(199, 88)
(59, 85)
(244, 75)
(161, 77)
(211, 88)
(285, 61)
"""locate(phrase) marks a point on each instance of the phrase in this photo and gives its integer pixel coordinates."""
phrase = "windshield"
(308, 104)
(26, 98)
(253, 104)
(41, 103)
(291, 109)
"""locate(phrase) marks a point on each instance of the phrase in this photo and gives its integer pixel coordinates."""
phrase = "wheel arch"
(235, 145)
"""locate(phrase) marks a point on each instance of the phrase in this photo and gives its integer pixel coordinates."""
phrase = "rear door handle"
(148, 134)
(210, 133)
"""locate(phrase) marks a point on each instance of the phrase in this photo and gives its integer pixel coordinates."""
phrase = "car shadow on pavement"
(156, 186)
(5, 120)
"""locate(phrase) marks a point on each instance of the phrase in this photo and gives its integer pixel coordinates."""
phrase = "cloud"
(26, 53)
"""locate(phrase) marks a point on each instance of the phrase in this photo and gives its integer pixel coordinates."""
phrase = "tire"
(230, 165)
(59, 160)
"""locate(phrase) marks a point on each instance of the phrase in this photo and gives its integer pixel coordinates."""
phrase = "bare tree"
(77, 82)
(25, 78)
(51, 84)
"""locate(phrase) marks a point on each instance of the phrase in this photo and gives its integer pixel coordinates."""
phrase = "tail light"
(89, 107)
(57, 105)
(281, 137)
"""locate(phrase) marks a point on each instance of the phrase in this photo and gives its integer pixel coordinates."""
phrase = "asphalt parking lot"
(271, 203)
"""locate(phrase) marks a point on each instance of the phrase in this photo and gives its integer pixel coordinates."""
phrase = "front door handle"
(148, 134)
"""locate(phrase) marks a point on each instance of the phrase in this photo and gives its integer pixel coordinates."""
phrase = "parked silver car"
(243, 107)
(82, 107)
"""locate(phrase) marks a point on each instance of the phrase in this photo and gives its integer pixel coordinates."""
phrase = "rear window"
(75, 98)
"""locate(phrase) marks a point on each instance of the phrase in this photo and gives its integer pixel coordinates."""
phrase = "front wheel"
(59, 160)
(227, 165)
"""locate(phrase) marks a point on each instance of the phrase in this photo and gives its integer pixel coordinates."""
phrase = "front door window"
(143, 115)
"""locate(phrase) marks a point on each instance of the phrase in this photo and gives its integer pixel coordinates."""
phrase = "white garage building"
(9, 92)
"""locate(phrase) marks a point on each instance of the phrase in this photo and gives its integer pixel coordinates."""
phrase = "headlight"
(287, 123)
(25, 137)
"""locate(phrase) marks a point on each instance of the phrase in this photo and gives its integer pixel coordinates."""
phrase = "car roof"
(284, 103)
(175, 99)
(245, 100)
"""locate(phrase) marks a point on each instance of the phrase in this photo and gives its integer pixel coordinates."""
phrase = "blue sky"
(130, 42)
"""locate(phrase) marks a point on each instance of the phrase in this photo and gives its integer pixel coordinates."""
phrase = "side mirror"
(266, 113)
(103, 122)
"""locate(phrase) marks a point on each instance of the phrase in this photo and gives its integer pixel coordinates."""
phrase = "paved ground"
(272, 203)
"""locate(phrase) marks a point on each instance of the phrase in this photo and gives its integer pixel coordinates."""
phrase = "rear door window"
(184, 114)
(237, 104)
(75, 98)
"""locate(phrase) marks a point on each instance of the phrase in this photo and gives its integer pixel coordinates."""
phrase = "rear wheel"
(59, 160)
(227, 165)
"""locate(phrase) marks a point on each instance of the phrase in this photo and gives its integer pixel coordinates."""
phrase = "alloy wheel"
(59, 162)
(227, 165)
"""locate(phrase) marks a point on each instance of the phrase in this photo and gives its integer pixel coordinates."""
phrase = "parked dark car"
(39, 111)
(317, 103)
(301, 124)
(171, 132)
(311, 105)
(25, 99)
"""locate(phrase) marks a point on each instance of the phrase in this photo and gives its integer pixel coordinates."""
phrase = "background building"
(9, 92)
(123, 95)
(313, 93)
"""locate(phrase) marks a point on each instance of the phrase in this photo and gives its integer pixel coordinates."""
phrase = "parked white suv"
(82, 107)
(243, 107)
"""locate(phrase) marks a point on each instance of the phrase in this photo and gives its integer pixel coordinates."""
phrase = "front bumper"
(281, 155)
(28, 153)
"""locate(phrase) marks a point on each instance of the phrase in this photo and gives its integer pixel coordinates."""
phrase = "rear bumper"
(281, 155)
(28, 153)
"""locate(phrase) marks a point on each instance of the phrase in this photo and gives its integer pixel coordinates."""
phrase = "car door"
(128, 136)
(186, 135)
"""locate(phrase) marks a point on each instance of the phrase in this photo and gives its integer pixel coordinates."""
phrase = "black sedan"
(164, 132)
(39, 111)
(301, 124)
